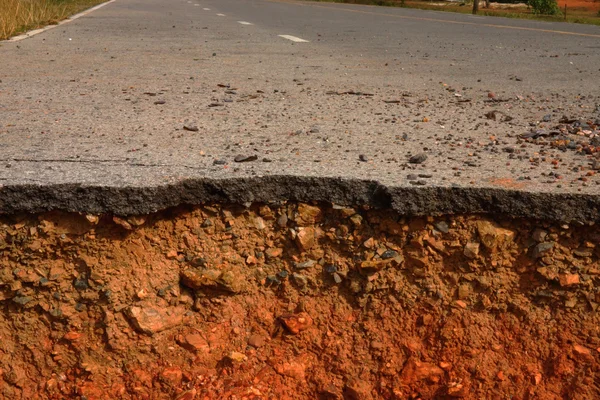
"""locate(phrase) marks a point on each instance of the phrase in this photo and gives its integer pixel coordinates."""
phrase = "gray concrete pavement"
(92, 113)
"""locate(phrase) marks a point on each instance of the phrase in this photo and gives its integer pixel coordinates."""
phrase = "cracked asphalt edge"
(409, 201)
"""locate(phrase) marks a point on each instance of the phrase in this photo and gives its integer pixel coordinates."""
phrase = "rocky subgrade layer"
(297, 301)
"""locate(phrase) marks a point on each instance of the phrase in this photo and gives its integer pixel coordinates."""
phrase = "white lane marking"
(244, 23)
(206, 9)
(293, 38)
(197, 5)
(221, 15)
(64, 21)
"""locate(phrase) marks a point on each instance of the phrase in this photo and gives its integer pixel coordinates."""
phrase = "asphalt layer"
(143, 105)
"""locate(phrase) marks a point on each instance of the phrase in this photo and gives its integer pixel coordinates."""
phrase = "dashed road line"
(293, 38)
(221, 15)
(244, 23)
(206, 9)
(444, 21)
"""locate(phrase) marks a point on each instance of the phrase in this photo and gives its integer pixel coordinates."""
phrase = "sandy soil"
(297, 301)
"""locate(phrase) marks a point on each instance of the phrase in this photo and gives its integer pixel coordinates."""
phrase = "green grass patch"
(17, 16)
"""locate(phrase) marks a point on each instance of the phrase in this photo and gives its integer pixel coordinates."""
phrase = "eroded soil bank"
(297, 301)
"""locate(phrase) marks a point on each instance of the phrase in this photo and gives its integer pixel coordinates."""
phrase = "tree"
(544, 7)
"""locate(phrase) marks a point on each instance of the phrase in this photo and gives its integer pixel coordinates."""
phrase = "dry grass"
(17, 16)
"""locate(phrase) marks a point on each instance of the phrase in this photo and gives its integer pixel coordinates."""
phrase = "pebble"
(442, 226)
(190, 128)
(256, 341)
(389, 254)
(241, 158)
(296, 323)
(300, 279)
(471, 250)
(337, 278)
(541, 249)
(306, 264)
(418, 158)
(363, 158)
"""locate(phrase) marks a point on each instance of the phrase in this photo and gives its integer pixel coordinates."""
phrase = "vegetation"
(574, 15)
(17, 16)
(544, 7)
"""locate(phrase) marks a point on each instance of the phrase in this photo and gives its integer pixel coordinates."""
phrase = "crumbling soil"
(297, 301)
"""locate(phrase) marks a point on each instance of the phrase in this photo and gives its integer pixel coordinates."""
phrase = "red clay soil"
(587, 5)
(297, 302)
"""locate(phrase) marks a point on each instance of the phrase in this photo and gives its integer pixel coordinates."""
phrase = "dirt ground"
(297, 301)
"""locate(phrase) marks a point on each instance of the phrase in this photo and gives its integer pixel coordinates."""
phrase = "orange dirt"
(588, 5)
(297, 301)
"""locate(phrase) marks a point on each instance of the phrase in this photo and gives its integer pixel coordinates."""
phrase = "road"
(332, 100)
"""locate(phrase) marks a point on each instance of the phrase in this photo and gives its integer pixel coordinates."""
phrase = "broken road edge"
(410, 201)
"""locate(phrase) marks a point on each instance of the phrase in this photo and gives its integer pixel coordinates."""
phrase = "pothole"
(297, 301)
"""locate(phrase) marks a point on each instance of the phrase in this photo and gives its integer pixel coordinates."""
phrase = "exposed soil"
(297, 301)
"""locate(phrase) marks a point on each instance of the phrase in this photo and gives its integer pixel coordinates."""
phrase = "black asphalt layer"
(143, 105)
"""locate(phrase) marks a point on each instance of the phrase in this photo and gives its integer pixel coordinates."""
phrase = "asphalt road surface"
(142, 105)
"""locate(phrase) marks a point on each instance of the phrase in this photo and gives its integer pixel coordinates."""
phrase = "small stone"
(272, 280)
(81, 283)
(273, 253)
(471, 250)
(282, 221)
(582, 352)
(293, 369)
(539, 235)
(190, 128)
(237, 357)
(136, 220)
(305, 239)
(151, 319)
(442, 226)
(369, 243)
(22, 300)
(464, 291)
(256, 341)
(124, 224)
(172, 376)
(386, 255)
(307, 214)
(583, 252)
(418, 158)
(415, 371)
(241, 158)
(296, 323)
(493, 237)
(541, 249)
(93, 219)
(356, 220)
(283, 275)
(337, 278)
(363, 158)
(569, 279)
(306, 264)
(300, 279)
